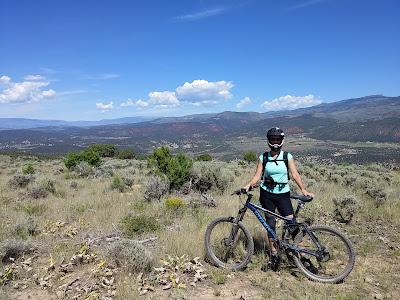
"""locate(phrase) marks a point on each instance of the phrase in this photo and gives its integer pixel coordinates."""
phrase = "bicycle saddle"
(301, 198)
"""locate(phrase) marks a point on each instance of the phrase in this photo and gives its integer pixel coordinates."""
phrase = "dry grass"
(88, 210)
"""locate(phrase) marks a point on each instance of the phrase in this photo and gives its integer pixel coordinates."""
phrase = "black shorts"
(271, 201)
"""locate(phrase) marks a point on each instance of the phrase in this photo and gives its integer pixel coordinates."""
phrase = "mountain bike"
(229, 243)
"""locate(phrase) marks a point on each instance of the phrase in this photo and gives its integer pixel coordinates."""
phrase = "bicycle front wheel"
(234, 254)
(331, 263)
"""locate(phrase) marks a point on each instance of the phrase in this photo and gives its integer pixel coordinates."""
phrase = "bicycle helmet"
(275, 131)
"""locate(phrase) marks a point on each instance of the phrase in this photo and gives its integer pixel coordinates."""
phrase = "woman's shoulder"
(289, 156)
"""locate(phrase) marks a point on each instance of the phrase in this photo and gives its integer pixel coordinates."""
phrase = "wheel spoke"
(233, 255)
(334, 261)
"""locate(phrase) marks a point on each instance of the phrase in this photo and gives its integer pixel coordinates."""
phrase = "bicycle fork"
(235, 227)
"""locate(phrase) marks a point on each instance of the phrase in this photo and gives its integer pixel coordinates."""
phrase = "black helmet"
(275, 131)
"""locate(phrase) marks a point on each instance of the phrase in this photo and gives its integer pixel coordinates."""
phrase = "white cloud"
(5, 79)
(129, 102)
(27, 91)
(141, 103)
(204, 92)
(104, 107)
(291, 102)
(243, 102)
(163, 99)
(34, 77)
(202, 14)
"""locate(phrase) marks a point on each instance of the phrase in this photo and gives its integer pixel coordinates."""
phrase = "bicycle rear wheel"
(336, 259)
(238, 253)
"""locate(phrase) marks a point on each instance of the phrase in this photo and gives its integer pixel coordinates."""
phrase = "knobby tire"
(338, 260)
(235, 256)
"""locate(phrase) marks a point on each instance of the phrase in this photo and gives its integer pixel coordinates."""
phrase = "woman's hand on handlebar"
(249, 187)
(305, 193)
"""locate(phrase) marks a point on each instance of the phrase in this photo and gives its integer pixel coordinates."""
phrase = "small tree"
(175, 168)
(250, 156)
(160, 159)
(178, 170)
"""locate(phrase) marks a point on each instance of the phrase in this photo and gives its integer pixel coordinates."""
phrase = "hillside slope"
(367, 119)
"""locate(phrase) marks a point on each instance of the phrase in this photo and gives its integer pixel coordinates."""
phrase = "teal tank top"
(277, 170)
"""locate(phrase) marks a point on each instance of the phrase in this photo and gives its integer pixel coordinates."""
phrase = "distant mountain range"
(22, 123)
(373, 118)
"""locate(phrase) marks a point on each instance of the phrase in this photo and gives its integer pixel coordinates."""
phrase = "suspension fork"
(235, 226)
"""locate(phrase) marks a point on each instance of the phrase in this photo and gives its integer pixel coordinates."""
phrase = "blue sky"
(98, 59)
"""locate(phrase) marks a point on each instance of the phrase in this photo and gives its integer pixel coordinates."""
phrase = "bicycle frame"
(256, 211)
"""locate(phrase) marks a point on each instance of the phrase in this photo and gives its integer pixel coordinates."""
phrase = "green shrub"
(211, 176)
(102, 173)
(204, 157)
(155, 188)
(27, 228)
(346, 207)
(132, 225)
(130, 255)
(127, 154)
(91, 157)
(72, 160)
(28, 169)
(350, 180)
(47, 184)
(83, 169)
(104, 150)
(117, 183)
(175, 203)
(377, 192)
(128, 176)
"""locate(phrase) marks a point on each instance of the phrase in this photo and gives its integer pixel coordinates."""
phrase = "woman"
(275, 190)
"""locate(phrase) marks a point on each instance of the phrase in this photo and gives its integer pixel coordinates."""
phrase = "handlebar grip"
(243, 191)
(238, 192)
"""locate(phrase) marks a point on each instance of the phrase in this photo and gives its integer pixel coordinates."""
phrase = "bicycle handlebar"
(252, 187)
(243, 191)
